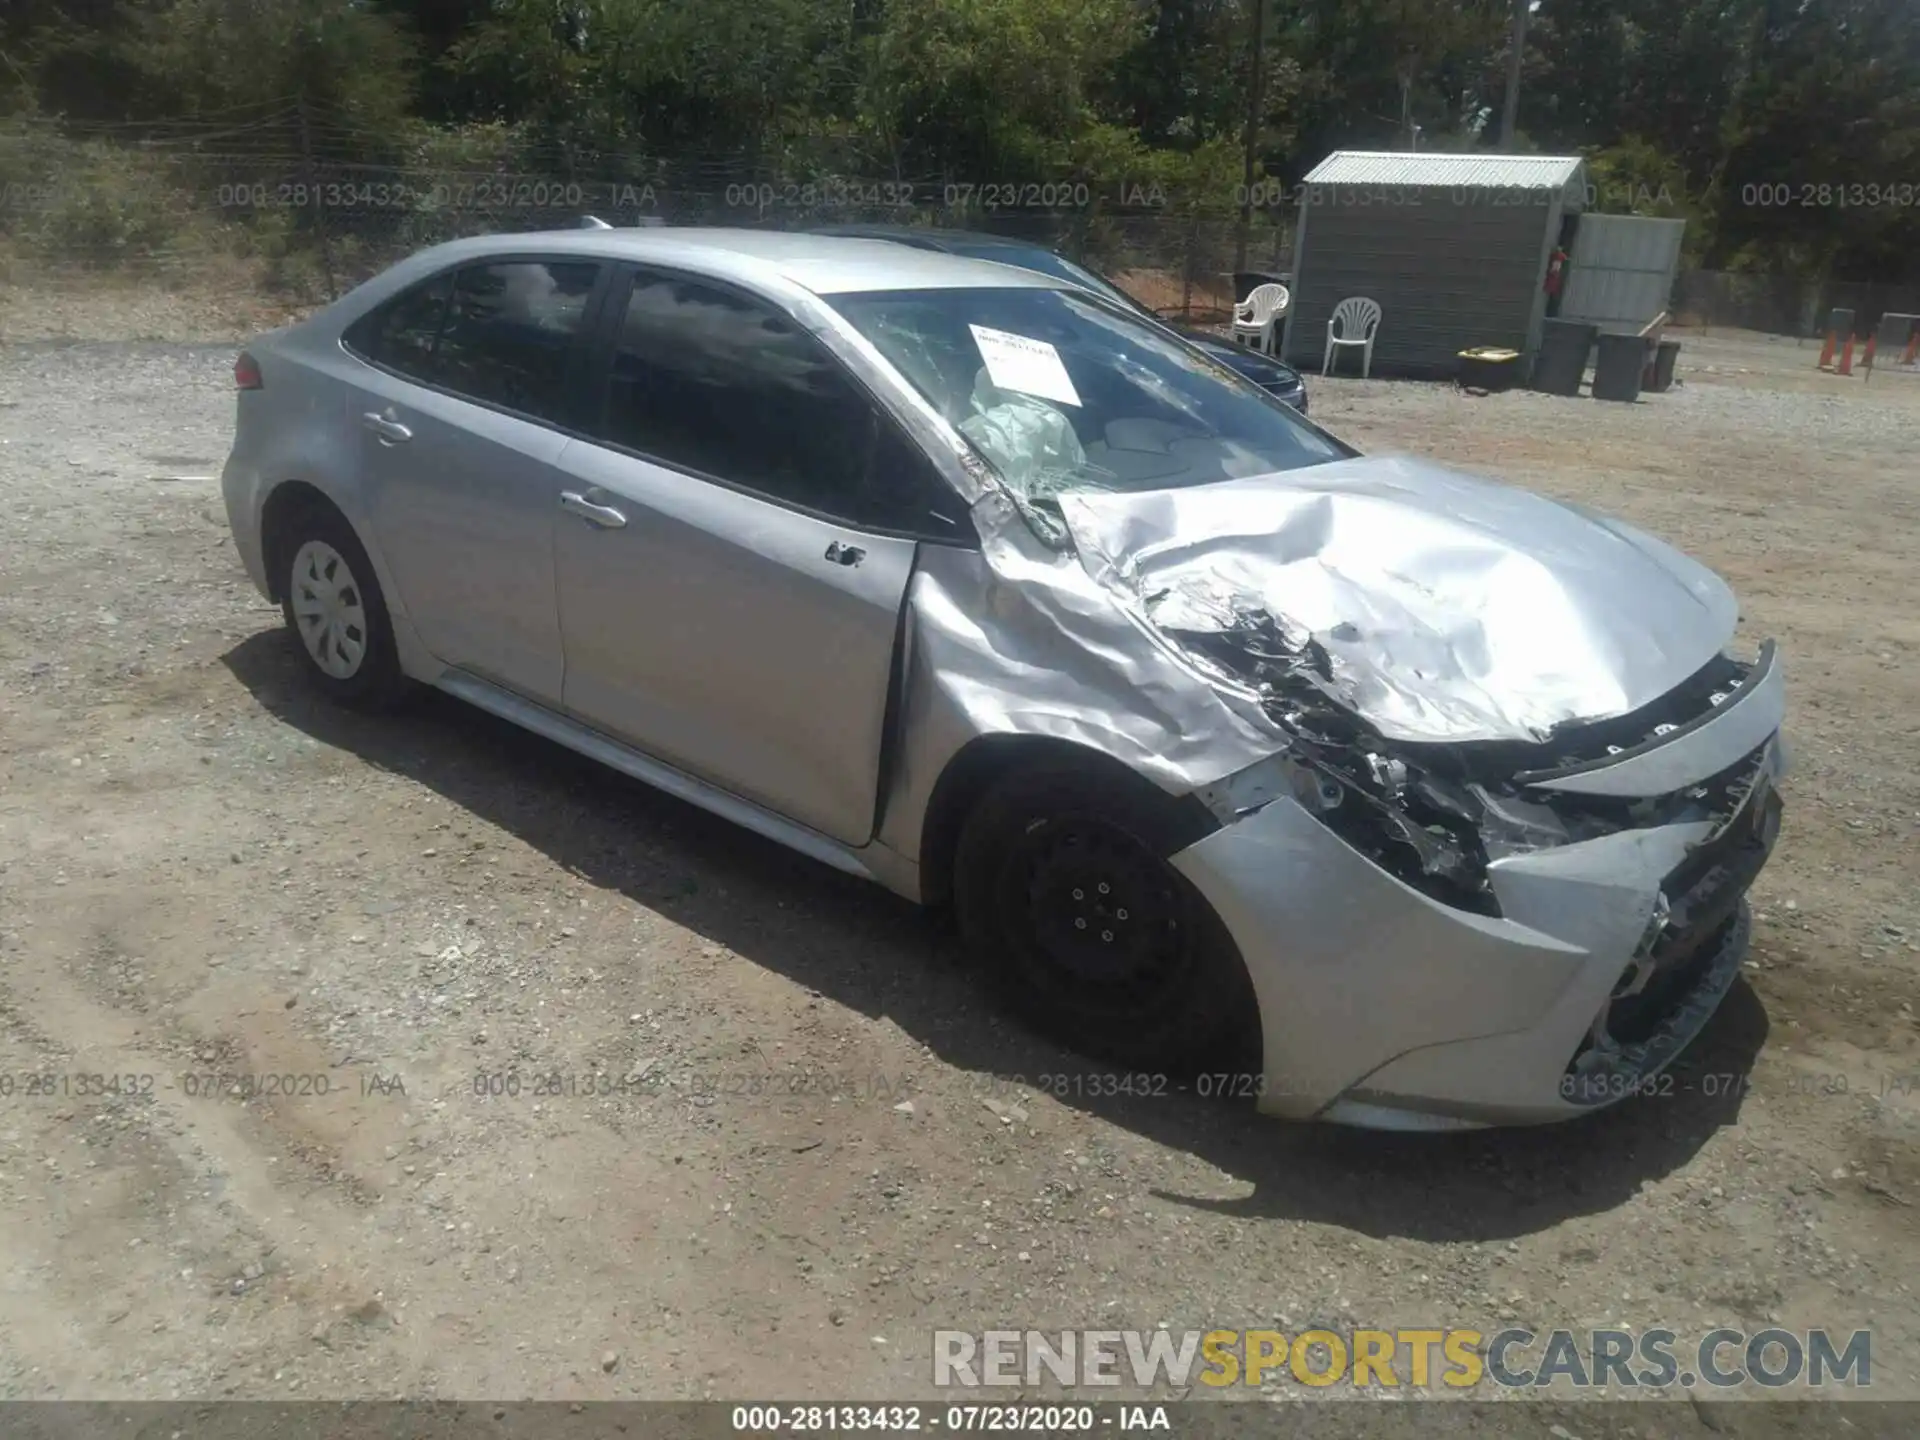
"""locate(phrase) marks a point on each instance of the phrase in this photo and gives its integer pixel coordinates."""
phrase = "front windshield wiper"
(1044, 518)
(1043, 510)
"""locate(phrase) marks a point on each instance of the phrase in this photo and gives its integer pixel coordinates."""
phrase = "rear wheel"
(333, 606)
(1063, 891)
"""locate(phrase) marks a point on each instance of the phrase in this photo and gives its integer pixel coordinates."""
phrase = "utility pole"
(1254, 87)
(1516, 52)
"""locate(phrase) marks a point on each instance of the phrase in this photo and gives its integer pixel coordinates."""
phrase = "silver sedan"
(1370, 790)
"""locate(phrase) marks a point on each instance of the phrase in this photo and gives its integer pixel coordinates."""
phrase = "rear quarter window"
(500, 332)
(401, 333)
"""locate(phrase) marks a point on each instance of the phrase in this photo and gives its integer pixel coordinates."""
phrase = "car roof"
(934, 235)
(823, 264)
(1001, 249)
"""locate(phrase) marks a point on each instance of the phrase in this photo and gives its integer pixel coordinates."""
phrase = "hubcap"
(329, 610)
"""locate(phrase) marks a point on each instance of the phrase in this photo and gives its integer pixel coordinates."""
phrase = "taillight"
(246, 372)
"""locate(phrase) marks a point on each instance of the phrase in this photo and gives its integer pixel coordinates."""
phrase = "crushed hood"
(1449, 608)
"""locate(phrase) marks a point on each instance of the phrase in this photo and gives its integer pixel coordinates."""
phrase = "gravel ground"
(201, 871)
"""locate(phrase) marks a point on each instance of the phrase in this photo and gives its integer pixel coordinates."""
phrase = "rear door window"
(510, 330)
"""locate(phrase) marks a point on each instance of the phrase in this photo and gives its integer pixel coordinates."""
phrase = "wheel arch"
(293, 497)
(1214, 1015)
(285, 503)
(974, 768)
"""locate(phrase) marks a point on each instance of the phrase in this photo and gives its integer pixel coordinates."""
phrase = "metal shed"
(1453, 247)
(1622, 270)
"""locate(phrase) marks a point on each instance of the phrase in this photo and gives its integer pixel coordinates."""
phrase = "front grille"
(1702, 896)
(1668, 991)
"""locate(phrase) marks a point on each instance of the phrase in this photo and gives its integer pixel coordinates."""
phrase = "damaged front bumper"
(1592, 965)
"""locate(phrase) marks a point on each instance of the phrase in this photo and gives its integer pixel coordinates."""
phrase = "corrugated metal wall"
(1460, 267)
(1621, 274)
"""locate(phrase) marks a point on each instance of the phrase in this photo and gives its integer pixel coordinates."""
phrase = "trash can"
(1894, 336)
(1664, 356)
(1616, 371)
(1562, 361)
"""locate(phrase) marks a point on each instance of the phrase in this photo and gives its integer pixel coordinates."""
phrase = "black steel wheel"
(1065, 894)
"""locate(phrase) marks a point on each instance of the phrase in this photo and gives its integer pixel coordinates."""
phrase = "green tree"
(1665, 72)
(1829, 114)
(1184, 81)
(698, 78)
(1372, 71)
(998, 90)
(346, 64)
(436, 28)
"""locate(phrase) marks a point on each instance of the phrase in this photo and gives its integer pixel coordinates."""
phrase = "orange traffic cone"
(1826, 352)
(1846, 357)
(1912, 352)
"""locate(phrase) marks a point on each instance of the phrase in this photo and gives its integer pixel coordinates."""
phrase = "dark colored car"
(1281, 381)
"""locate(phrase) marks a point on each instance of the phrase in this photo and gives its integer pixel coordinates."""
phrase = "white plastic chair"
(1259, 315)
(1355, 318)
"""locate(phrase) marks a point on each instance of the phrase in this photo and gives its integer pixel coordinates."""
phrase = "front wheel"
(1064, 893)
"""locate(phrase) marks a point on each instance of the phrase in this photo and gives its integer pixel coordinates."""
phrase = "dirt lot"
(203, 872)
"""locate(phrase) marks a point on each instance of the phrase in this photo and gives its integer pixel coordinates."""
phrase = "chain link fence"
(289, 196)
(294, 198)
(1784, 304)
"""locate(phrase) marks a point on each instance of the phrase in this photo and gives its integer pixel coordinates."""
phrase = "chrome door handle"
(605, 516)
(390, 431)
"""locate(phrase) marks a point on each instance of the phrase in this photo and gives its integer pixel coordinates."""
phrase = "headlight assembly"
(1418, 827)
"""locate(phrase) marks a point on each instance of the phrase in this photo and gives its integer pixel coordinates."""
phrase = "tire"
(1172, 994)
(335, 612)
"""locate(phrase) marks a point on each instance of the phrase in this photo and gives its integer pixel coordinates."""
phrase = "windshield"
(1059, 392)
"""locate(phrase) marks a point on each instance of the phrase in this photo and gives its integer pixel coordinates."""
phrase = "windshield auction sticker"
(1031, 367)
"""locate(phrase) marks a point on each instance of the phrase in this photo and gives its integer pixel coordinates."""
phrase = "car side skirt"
(872, 862)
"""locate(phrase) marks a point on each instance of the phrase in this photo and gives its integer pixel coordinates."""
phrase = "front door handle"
(605, 516)
(390, 430)
(844, 554)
